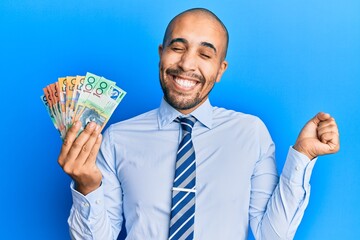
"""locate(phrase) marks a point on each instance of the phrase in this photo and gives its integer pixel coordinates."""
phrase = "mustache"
(178, 71)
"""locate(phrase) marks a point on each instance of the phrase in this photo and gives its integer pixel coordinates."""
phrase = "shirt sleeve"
(278, 204)
(98, 215)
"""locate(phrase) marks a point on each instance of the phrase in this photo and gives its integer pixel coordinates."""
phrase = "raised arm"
(280, 215)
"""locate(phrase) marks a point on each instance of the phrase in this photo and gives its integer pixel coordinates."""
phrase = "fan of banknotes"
(84, 98)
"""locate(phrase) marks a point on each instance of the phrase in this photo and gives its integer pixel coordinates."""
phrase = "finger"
(88, 174)
(78, 144)
(327, 137)
(68, 142)
(87, 149)
(94, 151)
(321, 116)
(329, 121)
(330, 127)
(332, 140)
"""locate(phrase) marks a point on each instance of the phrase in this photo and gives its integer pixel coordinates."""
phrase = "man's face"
(191, 61)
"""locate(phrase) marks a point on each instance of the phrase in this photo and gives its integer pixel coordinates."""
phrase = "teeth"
(185, 83)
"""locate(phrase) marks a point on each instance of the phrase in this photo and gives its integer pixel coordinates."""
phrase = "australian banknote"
(81, 98)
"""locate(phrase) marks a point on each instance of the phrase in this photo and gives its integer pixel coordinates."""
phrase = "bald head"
(201, 12)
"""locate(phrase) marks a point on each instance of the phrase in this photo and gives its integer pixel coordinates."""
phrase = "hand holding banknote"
(78, 156)
(79, 107)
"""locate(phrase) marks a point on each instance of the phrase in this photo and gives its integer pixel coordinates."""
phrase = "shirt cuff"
(88, 206)
(298, 167)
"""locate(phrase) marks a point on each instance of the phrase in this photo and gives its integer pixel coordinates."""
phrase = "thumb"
(309, 130)
(321, 116)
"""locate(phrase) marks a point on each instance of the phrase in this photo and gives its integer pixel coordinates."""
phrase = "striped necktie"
(183, 192)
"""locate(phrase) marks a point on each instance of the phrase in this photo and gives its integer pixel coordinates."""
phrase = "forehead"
(197, 28)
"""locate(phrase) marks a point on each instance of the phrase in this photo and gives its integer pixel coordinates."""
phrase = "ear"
(223, 67)
(160, 50)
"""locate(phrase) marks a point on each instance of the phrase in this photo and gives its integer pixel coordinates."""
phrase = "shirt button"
(98, 201)
(297, 168)
(85, 204)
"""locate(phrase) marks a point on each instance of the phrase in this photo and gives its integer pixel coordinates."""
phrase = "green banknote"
(85, 90)
(101, 103)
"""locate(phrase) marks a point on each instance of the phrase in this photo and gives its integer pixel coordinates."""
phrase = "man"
(235, 182)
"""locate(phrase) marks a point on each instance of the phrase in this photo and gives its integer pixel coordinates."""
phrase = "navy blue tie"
(183, 192)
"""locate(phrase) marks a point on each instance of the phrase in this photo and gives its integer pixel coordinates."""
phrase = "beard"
(179, 100)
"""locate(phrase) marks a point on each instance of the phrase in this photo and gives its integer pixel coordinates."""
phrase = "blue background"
(287, 61)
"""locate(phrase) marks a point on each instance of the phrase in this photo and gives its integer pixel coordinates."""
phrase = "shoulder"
(138, 123)
(239, 123)
(221, 115)
(243, 126)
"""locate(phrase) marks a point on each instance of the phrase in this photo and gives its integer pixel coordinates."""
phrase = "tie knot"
(187, 123)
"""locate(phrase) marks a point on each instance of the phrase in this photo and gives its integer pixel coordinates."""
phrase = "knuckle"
(76, 144)
(67, 169)
(92, 155)
(66, 141)
(61, 161)
(94, 134)
(85, 148)
(76, 172)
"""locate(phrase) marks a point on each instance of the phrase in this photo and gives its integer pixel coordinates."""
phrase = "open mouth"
(184, 83)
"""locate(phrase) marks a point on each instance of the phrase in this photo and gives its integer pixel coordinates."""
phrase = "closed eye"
(176, 49)
(205, 56)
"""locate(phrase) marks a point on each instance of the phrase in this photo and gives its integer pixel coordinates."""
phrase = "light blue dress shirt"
(236, 179)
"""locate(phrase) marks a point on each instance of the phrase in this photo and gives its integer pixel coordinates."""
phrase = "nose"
(188, 61)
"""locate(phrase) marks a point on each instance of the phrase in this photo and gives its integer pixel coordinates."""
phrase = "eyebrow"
(209, 45)
(183, 40)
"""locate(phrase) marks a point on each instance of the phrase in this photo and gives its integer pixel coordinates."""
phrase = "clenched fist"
(319, 136)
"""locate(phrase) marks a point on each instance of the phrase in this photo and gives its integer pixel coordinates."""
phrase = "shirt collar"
(167, 114)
